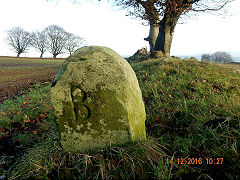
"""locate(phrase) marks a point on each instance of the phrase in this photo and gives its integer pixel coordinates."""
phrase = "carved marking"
(82, 112)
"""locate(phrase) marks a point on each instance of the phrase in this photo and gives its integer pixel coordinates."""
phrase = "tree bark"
(41, 54)
(152, 37)
(18, 54)
(166, 29)
(54, 56)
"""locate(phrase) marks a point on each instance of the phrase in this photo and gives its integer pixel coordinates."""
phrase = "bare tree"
(18, 39)
(163, 15)
(56, 37)
(206, 57)
(39, 41)
(221, 57)
(73, 42)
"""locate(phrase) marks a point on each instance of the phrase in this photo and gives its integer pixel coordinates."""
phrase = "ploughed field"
(192, 126)
(17, 74)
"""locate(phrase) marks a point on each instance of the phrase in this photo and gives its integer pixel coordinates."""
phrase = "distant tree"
(18, 39)
(221, 57)
(206, 57)
(39, 41)
(56, 37)
(73, 42)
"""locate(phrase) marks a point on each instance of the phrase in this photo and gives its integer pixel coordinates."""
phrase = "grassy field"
(193, 130)
(19, 73)
(233, 67)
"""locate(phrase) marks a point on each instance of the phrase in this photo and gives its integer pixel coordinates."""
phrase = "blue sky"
(101, 24)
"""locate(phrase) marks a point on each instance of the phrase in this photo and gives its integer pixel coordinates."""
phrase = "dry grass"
(20, 73)
(234, 67)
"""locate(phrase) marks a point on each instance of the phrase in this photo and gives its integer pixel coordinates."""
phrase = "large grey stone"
(97, 101)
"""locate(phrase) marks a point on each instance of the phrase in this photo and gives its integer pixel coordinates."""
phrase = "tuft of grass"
(136, 160)
(193, 114)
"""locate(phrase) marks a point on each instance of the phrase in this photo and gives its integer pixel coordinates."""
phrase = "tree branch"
(213, 9)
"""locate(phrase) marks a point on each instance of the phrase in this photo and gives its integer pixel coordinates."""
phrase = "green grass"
(180, 97)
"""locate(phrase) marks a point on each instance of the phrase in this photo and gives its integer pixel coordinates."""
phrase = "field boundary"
(32, 58)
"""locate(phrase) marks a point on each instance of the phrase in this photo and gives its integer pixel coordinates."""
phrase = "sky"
(104, 25)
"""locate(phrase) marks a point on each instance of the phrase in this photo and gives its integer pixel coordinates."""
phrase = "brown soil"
(14, 88)
(18, 74)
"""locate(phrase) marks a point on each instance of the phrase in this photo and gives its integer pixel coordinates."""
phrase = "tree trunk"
(165, 35)
(18, 54)
(152, 37)
(54, 56)
(41, 54)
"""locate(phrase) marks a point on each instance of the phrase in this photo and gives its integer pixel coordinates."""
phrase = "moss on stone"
(97, 100)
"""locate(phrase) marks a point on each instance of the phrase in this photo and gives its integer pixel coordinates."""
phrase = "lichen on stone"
(97, 101)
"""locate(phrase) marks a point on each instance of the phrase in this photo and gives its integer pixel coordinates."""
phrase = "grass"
(193, 114)
(233, 67)
(19, 73)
